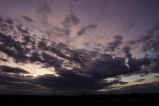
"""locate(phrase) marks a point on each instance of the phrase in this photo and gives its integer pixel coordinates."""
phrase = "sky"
(121, 28)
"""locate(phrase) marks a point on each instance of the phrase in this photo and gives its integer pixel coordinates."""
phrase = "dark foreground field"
(145, 99)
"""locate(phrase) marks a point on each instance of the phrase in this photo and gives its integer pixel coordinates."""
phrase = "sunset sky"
(100, 26)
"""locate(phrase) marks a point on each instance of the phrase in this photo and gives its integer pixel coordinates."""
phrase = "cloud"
(71, 20)
(68, 81)
(43, 12)
(156, 77)
(6, 24)
(71, 81)
(9, 74)
(12, 83)
(108, 68)
(25, 35)
(139, 80)
(112, 46)
(12, 70)
(117, 82)
(150, 42)
(146, 61)
(131, 42)
(111, 67)
(84, 29)
(140, 88)
(12, 47)
(62, 33)
(156, 67)
(27, 19)
(3, 59)
(150, 39)
(127, 50)
(27, 49)
(50, 60)
(18, 50)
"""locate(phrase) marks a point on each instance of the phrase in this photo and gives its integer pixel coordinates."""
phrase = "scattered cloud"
(140, 80)
(150, 39)
(86, 28)
(112, 46)
(27, 19)
(43, 12)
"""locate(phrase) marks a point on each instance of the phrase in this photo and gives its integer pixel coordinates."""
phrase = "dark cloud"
(127, 50)
(117, 82)
(112, 46)
(50, 60)
(123, 83)
(146, 61)
(19, 50)
(156, 67)
(73, 81)
(71, 20)
(84, 29)
(131, 43)
(12, 70)
(13, 74)
(25, 35)
(6, 24)
(156, 76)
(3, 59)
(61, 32)
(6, 20)
(150, 42)
(69, 80)
(64, 31)
(21, 88)
(11, 47)
(151, 39)
(139, 80)
(27, 19)
(16, 84)
(109, 67)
